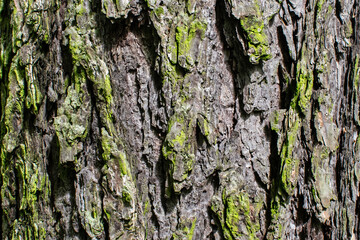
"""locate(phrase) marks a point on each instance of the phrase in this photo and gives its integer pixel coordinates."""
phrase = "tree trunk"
(180, 119)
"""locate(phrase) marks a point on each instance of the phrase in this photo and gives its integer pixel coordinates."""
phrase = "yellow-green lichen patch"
(33, 188)
(241, 216)
(289, 163)
(252, 24)
(179, 147)
(185, 230)
(112, 149)
(304, 85)
(72, 122)
(356, 73)
(96, 71)
(238, 214)
(186, 35)
(257, 43)
(275, 230)
(13, 114)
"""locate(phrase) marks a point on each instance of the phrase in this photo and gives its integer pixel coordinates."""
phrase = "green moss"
(184, 231)
(289, 164)
(34, 96)
(232, 214)
(185, 34)
(126, 196)
(190, 6)
(304, 86)
(356, 73)
(32, 190)
(258, 47)
(238, 210)
(107, 214)
(178, 148)
(146, 207)
(275, 124)
(111, 150)
(276, 227)
(123, 163)
(289, 175)
(319, 5)
(204, 127)
(349, 29)
(11, 124)
(159, 11)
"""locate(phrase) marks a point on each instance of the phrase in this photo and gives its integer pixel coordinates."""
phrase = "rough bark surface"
(166, 119)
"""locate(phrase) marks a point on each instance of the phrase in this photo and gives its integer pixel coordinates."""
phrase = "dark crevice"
(215, 180)
(153, 218)
(51, 110)
(162, 175)
(338, 52)
(200, 138)
(52, 171)
(316, 73)
(327, 231)
(316, 229)
(103, 214)
(308, 147)
(275, 167)
(338, 10)
(338, 167)
(286, 88)
(258, 180)
(216, 226)
(67, 61)
(302, 216)
(237, 62)
(285, 51)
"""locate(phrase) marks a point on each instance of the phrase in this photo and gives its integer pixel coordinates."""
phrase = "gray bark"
(189, 119)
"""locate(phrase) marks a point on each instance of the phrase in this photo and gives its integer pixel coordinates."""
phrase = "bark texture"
(167, 119)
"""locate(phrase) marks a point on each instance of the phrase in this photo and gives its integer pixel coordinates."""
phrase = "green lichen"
(319, 5)
(276, 227)
(112, 150)
(13, 109)
(275, 121)
(238, 209)
(258, 46)
(72, 122)
(126, 196)
(184, 231)
(237, 214)
(356, 73)
(178, 148)
(190, 6)
(34, 96)
(33, 189)
(159, 11)
(205, 129)
(349, 29)
(185, 34)
(96, 71)
(304, 85)
(290, 165)
(86, 57)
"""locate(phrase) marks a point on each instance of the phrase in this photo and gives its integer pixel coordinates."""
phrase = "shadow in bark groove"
(62, 177)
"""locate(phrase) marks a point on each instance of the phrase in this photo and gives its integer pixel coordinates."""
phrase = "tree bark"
(189, 119)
